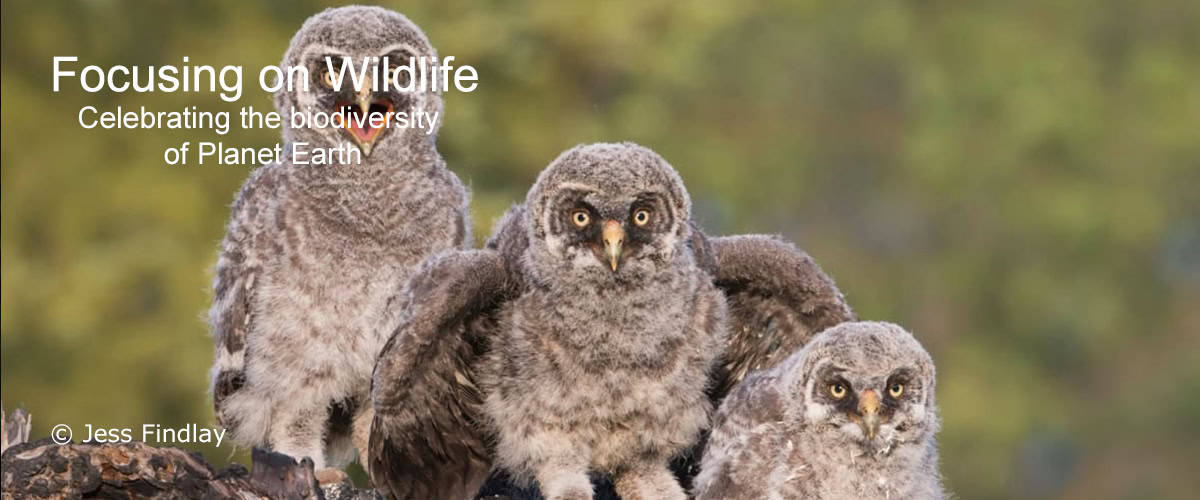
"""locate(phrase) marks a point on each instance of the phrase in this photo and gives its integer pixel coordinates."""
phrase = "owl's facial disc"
(869, 386)
(613, 231)
(608, 244)
(867, 409)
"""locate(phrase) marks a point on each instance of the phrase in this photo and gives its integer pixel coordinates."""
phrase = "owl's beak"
(614, 239)
(868, 411)
(359, 116)
(364, 96)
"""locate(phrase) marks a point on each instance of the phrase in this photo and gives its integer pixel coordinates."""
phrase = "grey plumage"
(431, 438)
(778, 298)
(309, 270)
(427, 439)
(603, 367)
(580, 339)
(851, 415)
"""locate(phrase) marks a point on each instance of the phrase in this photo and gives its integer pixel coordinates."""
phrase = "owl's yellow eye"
(837, 390)
(580, 218)
(641, 217)
(327, 78)
(895, 390)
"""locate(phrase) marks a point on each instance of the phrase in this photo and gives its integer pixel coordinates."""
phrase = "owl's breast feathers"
(618, 366)
(644, 327)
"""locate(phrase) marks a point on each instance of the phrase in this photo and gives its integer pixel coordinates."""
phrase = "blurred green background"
(1016, 182)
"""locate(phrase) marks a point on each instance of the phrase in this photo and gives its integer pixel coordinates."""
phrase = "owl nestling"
(852, 415)
(315, 255)
(603, 362)
(596, 358)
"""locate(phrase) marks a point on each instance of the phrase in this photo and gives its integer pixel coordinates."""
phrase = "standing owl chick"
(315, 254)
(604, 362)
(852, 415)
(581, 340)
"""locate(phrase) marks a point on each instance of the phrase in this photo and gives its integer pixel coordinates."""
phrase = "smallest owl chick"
(851, 415)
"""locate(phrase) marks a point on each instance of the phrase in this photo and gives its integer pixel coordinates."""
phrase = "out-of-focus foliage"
(1016, 182)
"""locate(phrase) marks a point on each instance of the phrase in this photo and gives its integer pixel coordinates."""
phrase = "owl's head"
(607, 212)
(350, 34)
(869, 383)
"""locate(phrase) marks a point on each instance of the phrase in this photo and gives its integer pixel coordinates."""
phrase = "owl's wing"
(426, 440)
(778, 298)
(745, 438)
(238, 275)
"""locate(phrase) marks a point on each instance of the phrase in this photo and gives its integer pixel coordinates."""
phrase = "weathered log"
(136, 470)
(43, 469)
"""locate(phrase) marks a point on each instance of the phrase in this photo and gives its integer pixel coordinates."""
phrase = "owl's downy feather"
(592, 359)
(851, 415)
(309, 269)
(779, 297)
